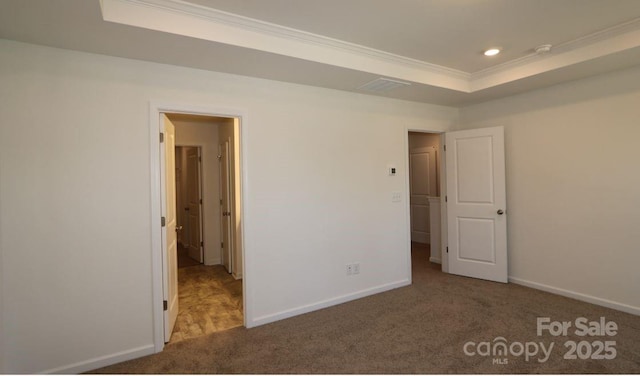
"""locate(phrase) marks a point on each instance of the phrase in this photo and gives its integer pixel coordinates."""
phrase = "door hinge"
(445, 147)
(201, 244)
(161, 137)
(163, 221)
(220, 201)
(221, 245)
(445, 198)
(447, 249)
(199, 159)
(164, 305)
(200, 201)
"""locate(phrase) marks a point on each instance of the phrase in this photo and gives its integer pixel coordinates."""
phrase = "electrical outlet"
(353, 269)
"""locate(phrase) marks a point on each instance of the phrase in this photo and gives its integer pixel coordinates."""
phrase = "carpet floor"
(421, 328)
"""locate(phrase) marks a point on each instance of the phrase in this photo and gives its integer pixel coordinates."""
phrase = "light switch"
(396, 197)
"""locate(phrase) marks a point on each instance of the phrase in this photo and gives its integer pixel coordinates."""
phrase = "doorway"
(472, 219)
(215, 298)
(189, 202)
(425, 158)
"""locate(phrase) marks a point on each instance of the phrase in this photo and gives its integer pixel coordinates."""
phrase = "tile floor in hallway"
(210, 300)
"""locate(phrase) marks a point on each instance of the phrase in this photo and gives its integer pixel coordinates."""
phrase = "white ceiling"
(436, 45)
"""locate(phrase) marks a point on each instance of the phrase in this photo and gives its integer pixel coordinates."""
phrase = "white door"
(180, 217)
(476, 203)
(170, 255)
(225, 206)
(194, 204)
(423, 184)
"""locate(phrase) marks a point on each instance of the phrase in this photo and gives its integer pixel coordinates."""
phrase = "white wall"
(75, 193)
(573, 186)
(204, 133)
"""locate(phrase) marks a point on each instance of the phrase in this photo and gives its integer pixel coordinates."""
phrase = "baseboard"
(103, 361)
(436, 260)
(578, 296)
(213, 262)
(325, 303)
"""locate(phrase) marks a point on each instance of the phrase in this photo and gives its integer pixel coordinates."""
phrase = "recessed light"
(491, 52)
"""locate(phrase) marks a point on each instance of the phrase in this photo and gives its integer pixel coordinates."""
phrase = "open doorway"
(471, 225)
(209, 295)
(189, 204)
(425, 180)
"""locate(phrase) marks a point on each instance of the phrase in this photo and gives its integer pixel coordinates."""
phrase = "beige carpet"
(421, 328)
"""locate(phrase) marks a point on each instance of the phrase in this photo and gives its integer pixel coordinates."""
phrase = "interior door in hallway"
(226, 206)
(422, 176)
(194, 204)
(476, 203)
(170, 238)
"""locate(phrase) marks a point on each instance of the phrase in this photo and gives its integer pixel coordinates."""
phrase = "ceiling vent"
(381, 85)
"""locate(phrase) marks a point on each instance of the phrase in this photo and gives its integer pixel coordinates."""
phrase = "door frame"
(443, 192)
(156, 108)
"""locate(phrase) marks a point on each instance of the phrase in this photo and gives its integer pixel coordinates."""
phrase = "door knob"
(178, 228)
(500, 212)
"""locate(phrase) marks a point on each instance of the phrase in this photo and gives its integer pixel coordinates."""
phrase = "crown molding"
(361, 57)
(613, 36)
(231, 19)
(197, 21)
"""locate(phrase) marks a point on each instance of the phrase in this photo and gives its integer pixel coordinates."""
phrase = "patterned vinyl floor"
(210, 300)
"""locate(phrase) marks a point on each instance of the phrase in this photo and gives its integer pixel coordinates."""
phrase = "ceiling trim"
(601, 43)
(196, 21)
(247, 23)
(183, 18)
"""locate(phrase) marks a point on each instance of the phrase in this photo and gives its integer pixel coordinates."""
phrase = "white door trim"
(155, 109)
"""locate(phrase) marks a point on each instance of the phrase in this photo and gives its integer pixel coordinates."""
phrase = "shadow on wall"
(584, 90)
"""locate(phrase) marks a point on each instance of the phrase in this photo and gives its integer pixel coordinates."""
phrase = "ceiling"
(434, 45)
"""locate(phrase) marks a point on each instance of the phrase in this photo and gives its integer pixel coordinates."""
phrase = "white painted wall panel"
(75, 194)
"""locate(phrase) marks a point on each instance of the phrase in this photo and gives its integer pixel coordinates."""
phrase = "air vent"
(381, 85)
